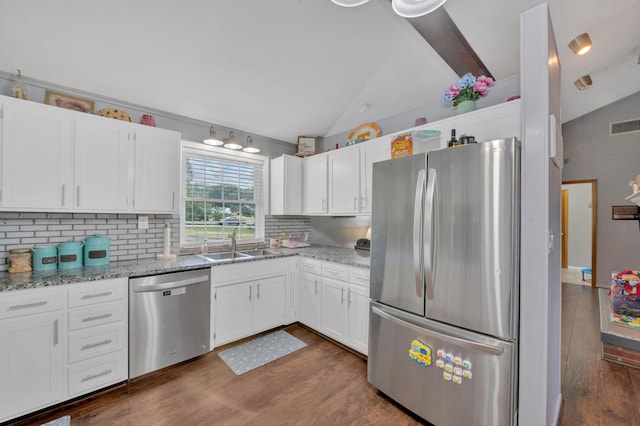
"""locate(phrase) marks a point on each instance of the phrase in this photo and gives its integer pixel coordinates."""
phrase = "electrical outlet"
(143, 222)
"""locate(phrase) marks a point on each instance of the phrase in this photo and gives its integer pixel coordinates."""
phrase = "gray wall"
(591, 153)
(433, 110)
(579, 232)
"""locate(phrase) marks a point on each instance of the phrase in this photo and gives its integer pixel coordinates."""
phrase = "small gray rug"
(62, 421)
(258, 352)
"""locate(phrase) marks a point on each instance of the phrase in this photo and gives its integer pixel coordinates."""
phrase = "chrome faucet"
(233, 235)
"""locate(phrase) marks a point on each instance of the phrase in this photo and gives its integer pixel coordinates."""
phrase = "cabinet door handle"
(258, 291)
(95, 376)
(28, 305)
(355, 203)
(316, 287)
(173, 200)
(91, 296)
(342, 296)
(63, 195)
(55, 333)
(97, 317)
(95, 345)
(249, 293)
(349, 301)
(324, 202)
(363, 204)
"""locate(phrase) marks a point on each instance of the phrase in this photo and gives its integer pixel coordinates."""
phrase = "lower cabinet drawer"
(96, 373)
(91, 316)
(95, 341)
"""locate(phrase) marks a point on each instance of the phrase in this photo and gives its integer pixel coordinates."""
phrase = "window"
(222, 192)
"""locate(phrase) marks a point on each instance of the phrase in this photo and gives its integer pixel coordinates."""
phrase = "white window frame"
(196, 148)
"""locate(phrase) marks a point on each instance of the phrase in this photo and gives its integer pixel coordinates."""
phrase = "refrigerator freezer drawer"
(446, 375)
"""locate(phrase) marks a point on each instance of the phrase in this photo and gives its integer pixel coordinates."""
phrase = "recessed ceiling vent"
(621, 127)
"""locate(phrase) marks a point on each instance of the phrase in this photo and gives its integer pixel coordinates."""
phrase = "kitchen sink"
(225, 255)
(259, 252)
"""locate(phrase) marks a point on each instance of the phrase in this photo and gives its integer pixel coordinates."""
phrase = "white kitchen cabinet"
(37, 168)
(101, 164)
(247, 308)
(309, 292)
(314, 185)
(97, 335)
(334, 300)
(291, 308)
(343, 178)
(233, 311)
(55, 159)
(156, 171)
(370, 152)
(334, 309)
(32, 351)
(249, 297)
(286, 185)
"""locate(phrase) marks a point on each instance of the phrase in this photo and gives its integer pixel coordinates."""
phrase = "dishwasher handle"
(141, 287)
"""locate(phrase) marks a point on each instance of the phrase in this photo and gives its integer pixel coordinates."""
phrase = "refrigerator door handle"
(417, 225)
(428, 238)
(468, 344)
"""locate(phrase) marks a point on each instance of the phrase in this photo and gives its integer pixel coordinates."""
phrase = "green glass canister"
(96, 250)
(70, 255)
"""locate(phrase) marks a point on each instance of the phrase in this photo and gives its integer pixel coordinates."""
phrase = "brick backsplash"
(127, 241)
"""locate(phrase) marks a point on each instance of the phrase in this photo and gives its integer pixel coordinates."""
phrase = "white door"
(369, 154)
(343, 176)
(233, 312)
(156, 171)
(32, 364)
(314, 185)
(36, 157)
(359, 318)
(101, 164)
(309, 299)
(334, 309)
(269, 303)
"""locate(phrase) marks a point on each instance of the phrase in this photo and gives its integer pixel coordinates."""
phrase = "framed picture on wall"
(68, 101)
(306, 146)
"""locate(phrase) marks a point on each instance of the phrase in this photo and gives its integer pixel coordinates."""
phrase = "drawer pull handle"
(91, 296)
(97, 317)
(95, 376)
(28, 305)
(95, 345)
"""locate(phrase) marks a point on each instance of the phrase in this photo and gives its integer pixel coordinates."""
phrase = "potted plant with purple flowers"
(466, 91)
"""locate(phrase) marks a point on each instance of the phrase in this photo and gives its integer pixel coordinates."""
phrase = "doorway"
(579, 232)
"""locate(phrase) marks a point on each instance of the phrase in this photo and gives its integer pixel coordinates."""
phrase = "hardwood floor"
(594, 391)
(323, 384)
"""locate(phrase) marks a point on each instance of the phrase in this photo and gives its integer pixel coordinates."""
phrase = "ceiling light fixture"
(581, 44)
(251, 147)
(404, 8)
(415, 8)
(583, 82)
(349, 3)
(213, 138)
(232, 142)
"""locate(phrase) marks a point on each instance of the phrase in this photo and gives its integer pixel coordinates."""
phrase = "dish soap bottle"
(204, 249)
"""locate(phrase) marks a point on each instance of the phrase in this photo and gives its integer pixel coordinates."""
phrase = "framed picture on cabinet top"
(63, 100)
(306, 146)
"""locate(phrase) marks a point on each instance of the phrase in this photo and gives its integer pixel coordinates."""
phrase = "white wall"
(580, 218)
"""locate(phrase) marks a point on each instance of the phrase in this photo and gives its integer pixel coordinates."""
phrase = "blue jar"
(44, 258)
(70, 255)
(96, 250)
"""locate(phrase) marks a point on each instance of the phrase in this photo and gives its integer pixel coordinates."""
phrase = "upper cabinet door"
(314, 185)
(156, 171)
(101, 164)
(344, 197)
(37, 156)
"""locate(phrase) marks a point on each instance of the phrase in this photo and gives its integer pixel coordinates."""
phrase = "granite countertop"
(139, 268)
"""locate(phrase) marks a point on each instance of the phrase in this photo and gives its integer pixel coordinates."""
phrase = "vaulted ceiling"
(283, 68)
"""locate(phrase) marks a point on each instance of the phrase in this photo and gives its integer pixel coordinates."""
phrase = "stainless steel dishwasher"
(169, 319)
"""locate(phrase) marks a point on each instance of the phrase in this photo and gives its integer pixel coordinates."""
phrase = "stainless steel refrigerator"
(445, 233)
